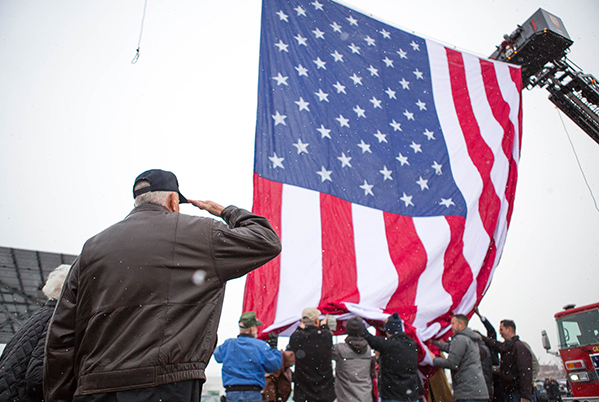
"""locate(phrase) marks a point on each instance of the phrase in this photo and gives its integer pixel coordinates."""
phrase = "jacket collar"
(149, 206)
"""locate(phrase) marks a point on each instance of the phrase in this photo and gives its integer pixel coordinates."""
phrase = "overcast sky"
(79, 121)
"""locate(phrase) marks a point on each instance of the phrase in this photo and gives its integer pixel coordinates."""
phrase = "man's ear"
(172, 202)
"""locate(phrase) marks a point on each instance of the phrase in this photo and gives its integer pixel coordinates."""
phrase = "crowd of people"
(482, 368)
(135, 319)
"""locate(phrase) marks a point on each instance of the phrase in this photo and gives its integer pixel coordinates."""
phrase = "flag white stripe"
(511, 95)
(432, 300)
(301, 263)
(377, 276)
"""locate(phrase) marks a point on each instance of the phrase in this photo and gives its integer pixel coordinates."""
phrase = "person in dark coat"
(398, 374)
(552, 388)
(22, 361)
(492, 378)
(515, 368)
(312, 344)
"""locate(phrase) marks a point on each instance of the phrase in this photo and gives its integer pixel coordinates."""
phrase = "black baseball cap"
(160, 180)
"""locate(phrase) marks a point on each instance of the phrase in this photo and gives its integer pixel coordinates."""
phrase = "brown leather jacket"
(130, 316)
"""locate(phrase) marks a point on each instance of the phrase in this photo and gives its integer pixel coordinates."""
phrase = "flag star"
(325, 175)
(376, 103)
(382, 137)
(352, 20)
(403, 159)
(344, 160)
(359, 111)
(373, 71)
(365, 147)
(276, 161)
(416, 147)
(388, 62)
(342, 121)
(437, 168)
(429, 134)
(396, 126)
(447, 202)
(302, 70)
(301, 147)
(421, 105)
(303, 105)
(324, 132)
(318, 33)
(409, 116)
(370, 41)
(283, 16)
(367, 188)
(391, 93)
(280, 80)
(300, 11)
(407, 199)
(422, 183)
(418, 74)
(336, 27)
(340, 88)
(338, 56)
(386, 173)
(300, 40)
(282, 46)
(415, 46)
(405, 84)
(354, 48)
(319, 63)
(386, 34)
(317, 5)
(279, 118)
(322, 96)
(402, 54)
(357, 80)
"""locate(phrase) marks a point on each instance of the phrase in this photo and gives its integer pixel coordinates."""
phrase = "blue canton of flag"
(345, 107)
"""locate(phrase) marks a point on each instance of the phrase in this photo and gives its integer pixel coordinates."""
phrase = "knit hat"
(354, 327)
(393, 324)
(310, 315)
(248, 320)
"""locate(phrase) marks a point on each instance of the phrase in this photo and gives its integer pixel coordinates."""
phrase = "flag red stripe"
(516, 75)
(502, 115)
(409, 257)
(484, 274)
(262, 285)
(479, 152)
(339, 272)
(457, 275)
(499, 107)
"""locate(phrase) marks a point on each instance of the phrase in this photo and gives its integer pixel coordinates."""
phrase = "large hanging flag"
(386, 162)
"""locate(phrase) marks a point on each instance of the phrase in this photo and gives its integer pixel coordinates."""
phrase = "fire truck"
(540, 46)
(578, 343)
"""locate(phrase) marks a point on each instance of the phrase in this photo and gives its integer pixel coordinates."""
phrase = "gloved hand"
(273, 339)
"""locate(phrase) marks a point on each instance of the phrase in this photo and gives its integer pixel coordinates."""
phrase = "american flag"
(386, 162)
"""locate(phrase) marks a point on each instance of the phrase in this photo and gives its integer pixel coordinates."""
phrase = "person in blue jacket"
(245, 360)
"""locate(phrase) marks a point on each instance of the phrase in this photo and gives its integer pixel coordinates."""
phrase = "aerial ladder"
(540, 46)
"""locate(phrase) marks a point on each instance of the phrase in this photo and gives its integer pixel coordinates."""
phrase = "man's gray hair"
(53, 285)
(154, 197)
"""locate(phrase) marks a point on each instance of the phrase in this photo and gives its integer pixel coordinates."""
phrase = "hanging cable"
(140, 33)
(577, 160)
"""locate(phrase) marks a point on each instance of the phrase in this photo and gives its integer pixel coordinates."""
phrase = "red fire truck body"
(578, 342)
